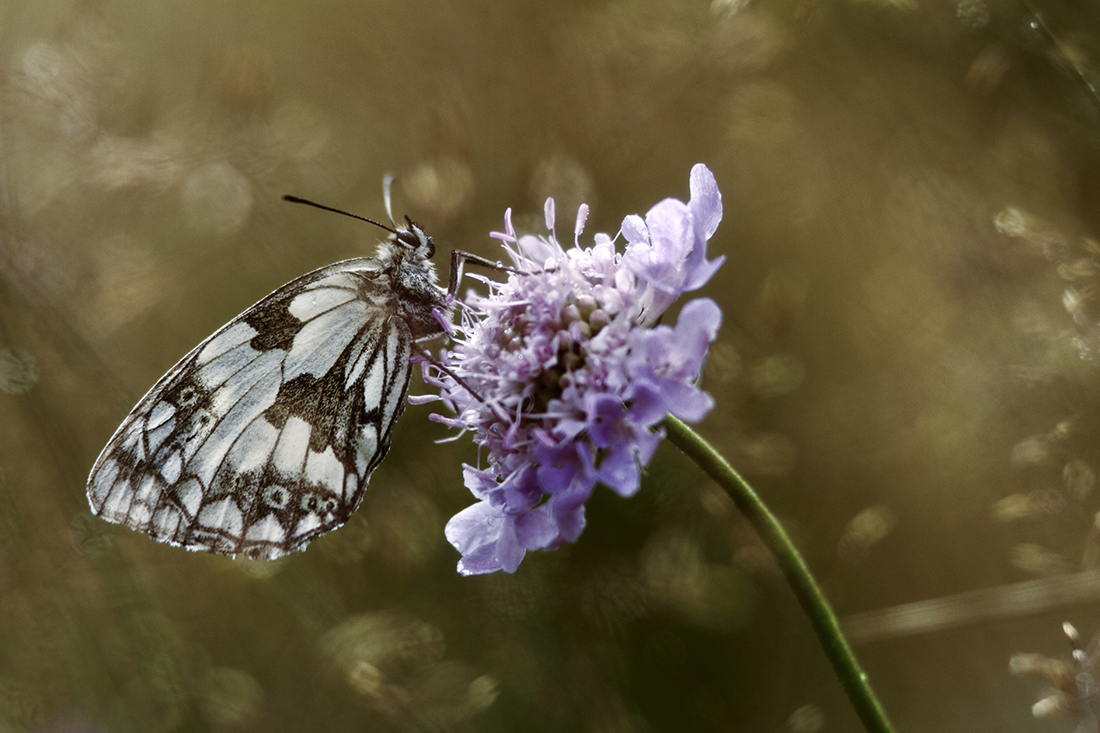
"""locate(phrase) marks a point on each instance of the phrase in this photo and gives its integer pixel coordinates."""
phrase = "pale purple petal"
(659, 262)
(509, 551)
(475, 532)
(521, 492)
(647, 406)
(569, 515)
(564, 466)
(619, 470)
(604, 413)
(480, 561)
(688, 403)
(537, 529)
(706, 200)
(706, 214)
(671, 231)
(646, 443)
(699, 322)
(480, 483)
(634, 230)
(699, 270)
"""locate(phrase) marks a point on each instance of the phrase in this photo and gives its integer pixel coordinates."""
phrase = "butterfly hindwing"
(265, 435)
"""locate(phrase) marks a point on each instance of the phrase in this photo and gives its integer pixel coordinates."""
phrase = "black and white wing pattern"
(265, 435)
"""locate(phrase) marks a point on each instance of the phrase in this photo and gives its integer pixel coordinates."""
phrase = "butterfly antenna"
(387, 184)
(307, 202)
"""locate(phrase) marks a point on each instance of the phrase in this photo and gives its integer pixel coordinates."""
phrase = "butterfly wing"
(265, 435)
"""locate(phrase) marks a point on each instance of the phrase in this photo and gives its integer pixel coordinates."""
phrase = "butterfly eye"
(416, 238)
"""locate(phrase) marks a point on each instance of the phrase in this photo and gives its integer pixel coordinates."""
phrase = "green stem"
(852, 677)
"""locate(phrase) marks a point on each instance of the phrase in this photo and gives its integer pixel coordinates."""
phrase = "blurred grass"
(896, 345)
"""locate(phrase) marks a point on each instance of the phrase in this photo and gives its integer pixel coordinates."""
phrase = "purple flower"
(561, 380)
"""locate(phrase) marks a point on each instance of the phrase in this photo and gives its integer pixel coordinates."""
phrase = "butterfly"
(265, 435)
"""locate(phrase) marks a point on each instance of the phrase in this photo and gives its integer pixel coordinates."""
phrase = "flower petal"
(698, 324)
(569, 516)
(480, 483)
(619, 470)
(647, 405)
(473, 527)
(634, 230)
(604, 413)
(706, 200)
(564, 466)
(537, 529)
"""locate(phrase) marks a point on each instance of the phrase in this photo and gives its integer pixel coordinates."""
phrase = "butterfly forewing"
(265, 435)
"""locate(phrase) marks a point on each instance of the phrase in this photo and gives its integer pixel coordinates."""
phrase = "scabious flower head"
(564, 381)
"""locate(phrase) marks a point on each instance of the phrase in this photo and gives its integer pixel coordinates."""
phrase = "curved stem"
(852, 678)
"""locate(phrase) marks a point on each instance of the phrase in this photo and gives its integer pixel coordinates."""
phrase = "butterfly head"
(408, 247)
(406, 255)
(414, 240)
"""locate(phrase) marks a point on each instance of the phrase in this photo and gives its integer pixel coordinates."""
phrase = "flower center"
(579, 320)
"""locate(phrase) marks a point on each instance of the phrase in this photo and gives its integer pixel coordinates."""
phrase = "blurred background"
(909, 369)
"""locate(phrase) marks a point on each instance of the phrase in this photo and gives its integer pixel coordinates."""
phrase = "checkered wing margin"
(265, 435)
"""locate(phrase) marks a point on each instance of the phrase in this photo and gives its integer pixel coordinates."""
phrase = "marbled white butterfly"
(265, 435)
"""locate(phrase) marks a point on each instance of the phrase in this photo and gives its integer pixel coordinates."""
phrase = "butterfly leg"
(458, 264)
